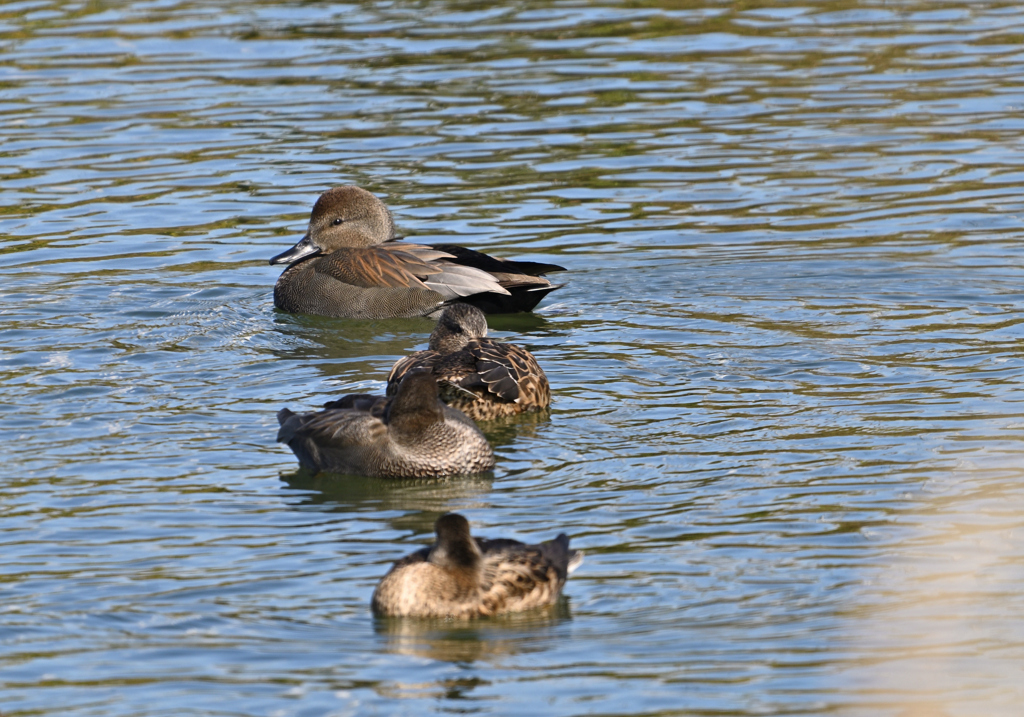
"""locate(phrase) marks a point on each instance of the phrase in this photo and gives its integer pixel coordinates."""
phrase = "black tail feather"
(479, 260)
(518, 299)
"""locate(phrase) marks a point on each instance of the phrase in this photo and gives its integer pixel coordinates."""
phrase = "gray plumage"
(483, 378)
(350, 265)
(464, 577)
(413, 435)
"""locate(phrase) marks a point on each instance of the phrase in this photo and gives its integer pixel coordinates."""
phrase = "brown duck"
(350, 265)
(413, 435)
(481, 377)
(460, 576)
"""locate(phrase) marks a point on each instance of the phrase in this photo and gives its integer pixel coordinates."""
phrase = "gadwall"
(351, 265)
(413, 435)
(462, 577)
(481, 377)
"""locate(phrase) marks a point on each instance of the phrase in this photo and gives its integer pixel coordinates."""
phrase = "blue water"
(788, 423)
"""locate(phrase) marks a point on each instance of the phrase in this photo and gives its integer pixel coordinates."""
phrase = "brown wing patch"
(511, 373)
(378, 266)
(486, 380)
(496, 369)
(517, 577)
(420, 359)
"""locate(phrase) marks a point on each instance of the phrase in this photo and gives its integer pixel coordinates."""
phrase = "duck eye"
(337, 221)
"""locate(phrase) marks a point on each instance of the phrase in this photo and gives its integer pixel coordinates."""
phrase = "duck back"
(508, 577)
(413, 435)
(304, 289)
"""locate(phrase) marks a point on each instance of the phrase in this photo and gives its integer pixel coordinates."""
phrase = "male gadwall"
(351, 265)
(481, 377)
(412, 435)
(460, 576)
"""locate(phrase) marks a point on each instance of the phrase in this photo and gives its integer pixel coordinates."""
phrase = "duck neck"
(444, 342)
(461, 557)
(414, 426)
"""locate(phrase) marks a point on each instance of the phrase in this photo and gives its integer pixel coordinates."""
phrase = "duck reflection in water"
(514, 633)
(418, 502)
(357, 348)
(345, 347)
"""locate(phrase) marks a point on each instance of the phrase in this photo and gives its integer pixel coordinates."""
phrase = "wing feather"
(517, 576)
(503, 368)
(455, 281)
(377, 266)
(420, 359)
(407, 266)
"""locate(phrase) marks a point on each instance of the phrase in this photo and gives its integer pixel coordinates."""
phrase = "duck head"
(342, 217)
(415, 407)
(458, 325)
(455, 548)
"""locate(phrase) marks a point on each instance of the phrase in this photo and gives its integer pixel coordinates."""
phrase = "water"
(787, 365)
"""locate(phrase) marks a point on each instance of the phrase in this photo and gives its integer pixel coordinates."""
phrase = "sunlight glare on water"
(786, 365)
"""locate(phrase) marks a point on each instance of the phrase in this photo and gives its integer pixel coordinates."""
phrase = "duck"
(351, 265)
(460, 576)
(483, 378)
(411, 435)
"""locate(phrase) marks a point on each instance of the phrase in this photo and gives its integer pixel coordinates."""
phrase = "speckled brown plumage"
(413, 435)
(350, 265)
(484, 379)
(465, 577)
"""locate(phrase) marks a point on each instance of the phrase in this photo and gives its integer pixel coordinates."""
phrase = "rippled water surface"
(787, 365)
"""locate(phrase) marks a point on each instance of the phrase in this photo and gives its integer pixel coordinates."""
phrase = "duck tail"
(575, 560)
(288, 427)
(571, 558)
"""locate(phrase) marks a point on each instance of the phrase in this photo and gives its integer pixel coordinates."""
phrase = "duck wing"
(523, 285)
(373, 267)
(506, 370)
(420, 359)
(517, 576)
(374, 405)
(334, 440)
(493, 264)
(436, 270)
(406, 266)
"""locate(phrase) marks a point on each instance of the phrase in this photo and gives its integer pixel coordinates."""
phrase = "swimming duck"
(350, 265)
(463, 577)
(413, 435)
(481, 377)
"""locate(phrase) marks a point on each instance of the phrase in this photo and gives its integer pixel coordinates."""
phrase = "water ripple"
(786, 423)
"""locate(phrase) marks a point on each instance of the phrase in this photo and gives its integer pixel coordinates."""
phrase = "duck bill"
(304, 248)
